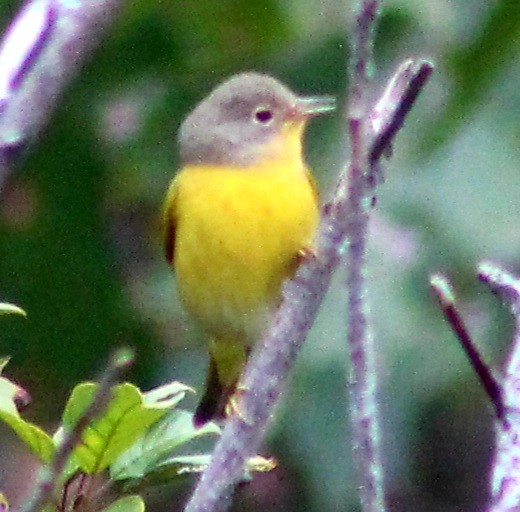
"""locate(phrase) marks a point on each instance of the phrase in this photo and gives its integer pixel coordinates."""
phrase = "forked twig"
(504, 392)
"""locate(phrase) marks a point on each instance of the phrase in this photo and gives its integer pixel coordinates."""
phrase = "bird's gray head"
(241, 116)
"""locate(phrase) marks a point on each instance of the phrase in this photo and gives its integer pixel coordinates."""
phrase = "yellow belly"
(238, 233)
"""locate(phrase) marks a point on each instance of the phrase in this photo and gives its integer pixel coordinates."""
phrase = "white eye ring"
(263, 115)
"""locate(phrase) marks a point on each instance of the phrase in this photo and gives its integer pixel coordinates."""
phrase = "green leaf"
(33, 436)
(4, 361)
(127, 416)
(147, 453)
(11, 309)
(127, 504)
(168, 395)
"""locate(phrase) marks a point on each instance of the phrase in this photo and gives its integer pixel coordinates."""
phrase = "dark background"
(80, 248)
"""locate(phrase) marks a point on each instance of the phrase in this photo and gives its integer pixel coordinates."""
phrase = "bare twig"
(446, 296)
(371, 134)
(119, 362)
(503, 392)
(40, 53)
(505, 482)
(273, 358)
(362, 383)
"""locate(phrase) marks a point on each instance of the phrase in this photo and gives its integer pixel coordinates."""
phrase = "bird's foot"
(234, 407)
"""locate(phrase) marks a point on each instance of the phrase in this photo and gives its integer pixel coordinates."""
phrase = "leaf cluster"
(138, 439)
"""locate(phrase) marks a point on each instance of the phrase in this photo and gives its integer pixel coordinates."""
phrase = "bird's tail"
(226, 361)
(212, 406)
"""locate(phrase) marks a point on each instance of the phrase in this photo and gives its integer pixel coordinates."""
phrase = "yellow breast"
(238, 233)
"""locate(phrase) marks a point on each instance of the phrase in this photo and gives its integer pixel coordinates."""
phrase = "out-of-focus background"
(80, 249)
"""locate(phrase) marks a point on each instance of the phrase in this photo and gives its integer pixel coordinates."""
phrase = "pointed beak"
(311, 106)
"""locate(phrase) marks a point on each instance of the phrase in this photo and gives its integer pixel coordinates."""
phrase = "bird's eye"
(263, 115)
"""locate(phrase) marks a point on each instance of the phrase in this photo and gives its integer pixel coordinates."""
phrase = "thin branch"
(272, 359)
(362, 384)
(119, 363)
(362, 42)
(505, 480)
(446, 296)
(371, 134)
(504, 393)
(41, 51)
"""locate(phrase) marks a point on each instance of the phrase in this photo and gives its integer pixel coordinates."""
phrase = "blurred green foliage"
(80, 252)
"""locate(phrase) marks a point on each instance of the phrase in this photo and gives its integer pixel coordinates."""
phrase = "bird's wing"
(314, 186)
(170, 221)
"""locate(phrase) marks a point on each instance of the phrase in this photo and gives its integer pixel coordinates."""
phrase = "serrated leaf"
(127, 504)
(10, 309)
(172, 432)
(127, 416)
(33, 436)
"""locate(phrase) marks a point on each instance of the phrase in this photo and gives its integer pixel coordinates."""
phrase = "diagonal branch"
(503, 391)
(446, 296)
(269, 366)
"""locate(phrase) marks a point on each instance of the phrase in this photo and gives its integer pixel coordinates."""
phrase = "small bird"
(238, 217)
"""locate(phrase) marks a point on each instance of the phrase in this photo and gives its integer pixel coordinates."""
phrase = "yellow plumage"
(237, 216)
(237, 237)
